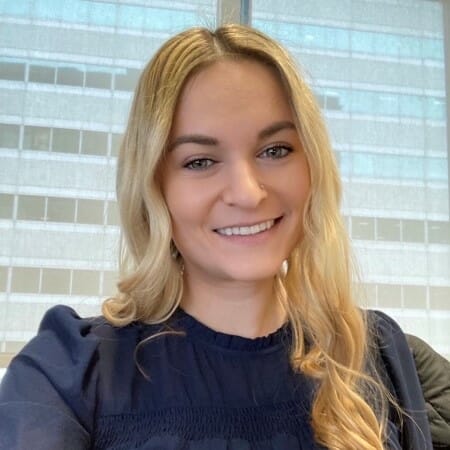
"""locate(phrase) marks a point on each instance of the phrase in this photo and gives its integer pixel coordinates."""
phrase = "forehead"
(232, 90)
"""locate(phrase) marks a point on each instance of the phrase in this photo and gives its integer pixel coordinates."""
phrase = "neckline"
(199, 331)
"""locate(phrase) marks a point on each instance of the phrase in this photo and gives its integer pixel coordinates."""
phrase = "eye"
(199, 164)
(276, 152)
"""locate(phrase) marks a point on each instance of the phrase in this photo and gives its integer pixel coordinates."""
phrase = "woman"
(234, 326)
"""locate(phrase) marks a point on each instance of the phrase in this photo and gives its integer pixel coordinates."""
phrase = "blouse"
(83, 384)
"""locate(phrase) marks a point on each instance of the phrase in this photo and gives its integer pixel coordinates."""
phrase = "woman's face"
(236, 178)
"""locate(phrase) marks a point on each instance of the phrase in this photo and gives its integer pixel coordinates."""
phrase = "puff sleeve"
(48, 394)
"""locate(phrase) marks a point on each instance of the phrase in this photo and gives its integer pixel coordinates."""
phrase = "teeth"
(245, 231)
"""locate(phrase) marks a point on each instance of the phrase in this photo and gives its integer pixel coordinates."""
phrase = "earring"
(174, 251)
(181, 263)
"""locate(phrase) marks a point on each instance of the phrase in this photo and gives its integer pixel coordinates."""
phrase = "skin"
(235, 159)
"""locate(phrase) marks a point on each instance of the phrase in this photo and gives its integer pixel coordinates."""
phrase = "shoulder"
(397, 369)
(50, 384)
(384, 325)
(62, 326)
(63, 321)
(63, 337)
(386, 335)
(54, 381)
(434, 375)
(389, 341)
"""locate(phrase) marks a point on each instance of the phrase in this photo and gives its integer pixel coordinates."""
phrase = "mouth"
(248, 230)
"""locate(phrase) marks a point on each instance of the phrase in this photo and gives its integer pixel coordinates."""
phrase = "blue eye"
(199, 164)
(276, 152)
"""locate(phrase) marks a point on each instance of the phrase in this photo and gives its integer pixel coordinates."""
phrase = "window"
(363, 228)
(9, 136)
(60, 209)
(12, 70)
(41, 74)
(71, 76)
(6, 206)
(94, 143)
(388, 229)
(36, 138)
(31, 207)
(65, 140)
(99, 80)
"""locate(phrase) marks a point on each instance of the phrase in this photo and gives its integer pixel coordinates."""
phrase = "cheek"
(188, 205)
(297, 190)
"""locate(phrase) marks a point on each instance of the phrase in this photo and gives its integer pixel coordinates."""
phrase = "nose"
(243, 187)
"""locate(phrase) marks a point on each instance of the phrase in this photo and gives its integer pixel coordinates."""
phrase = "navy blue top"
(83, 384)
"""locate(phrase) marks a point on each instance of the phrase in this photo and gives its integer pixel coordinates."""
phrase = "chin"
(253, 274)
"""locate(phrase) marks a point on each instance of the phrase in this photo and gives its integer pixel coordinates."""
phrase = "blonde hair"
(316, 289)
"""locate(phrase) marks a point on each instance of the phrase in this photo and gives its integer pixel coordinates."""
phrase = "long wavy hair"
(349, 409)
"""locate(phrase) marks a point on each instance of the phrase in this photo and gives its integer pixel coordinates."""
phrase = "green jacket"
(434, 375)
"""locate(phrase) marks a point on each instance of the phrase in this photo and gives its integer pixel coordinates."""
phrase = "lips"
(247, 230)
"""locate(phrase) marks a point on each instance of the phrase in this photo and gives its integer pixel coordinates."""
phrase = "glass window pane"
(90, 211)
(387, 166)
(69, 75)
(102, 14)
(388, 229)
(411, 106)
(435, 108)
(110, 280)
(130, 16)
(363, 228)
(439, 232)
(436, 169)
(65, 140)
(126, 80)
(413, 230)
(60, 209)
(36, 138)
(55, 281)
(14, 71)
(85, 282)
(115, 143)
(362, 42)
(410, 47)
(113, 214)
(433, 48)
(94, 143)
(369, 294)
(31, 207)
(14, 346)
(41, 74)
(3, 278)
(99, 80)
(25, 279)
(415, 297)
(389, 296)
(9, 135)
(440, 297)
(364, 165)
(386, 104)
(6, 206)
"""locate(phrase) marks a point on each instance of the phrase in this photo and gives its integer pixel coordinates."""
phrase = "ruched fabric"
(83, 384)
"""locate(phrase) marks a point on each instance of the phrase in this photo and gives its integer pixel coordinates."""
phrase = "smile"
(246, 231)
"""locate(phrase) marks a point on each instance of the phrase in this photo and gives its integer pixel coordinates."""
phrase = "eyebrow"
(210, 141)
(275, 128)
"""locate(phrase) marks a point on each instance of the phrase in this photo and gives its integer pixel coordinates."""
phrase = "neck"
(247, 309)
